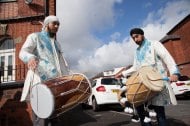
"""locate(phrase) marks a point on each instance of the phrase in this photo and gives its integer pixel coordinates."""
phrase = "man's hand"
(173, 78)
(32, 63)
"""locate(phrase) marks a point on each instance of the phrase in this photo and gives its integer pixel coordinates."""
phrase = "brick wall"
(12, 111)
(19, 9)
(184, 69)
(179, 48)
(184, 32)
(178, 52)
(21, 19)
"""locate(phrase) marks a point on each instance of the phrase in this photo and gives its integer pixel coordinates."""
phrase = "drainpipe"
(0, 74)
(55, 7)
(46, 10)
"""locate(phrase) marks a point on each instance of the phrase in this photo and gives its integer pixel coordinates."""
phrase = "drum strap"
(30, 88)
(31, 81)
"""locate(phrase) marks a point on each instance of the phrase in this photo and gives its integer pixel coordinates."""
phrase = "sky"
(94, 34)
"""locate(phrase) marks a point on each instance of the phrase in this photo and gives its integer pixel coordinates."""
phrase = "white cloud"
(115, 36)
(147, 5)
(158, 23)
(86, 54)
(108, 57)
(79, 19)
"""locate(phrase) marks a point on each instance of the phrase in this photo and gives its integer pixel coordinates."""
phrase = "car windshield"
(109, 81)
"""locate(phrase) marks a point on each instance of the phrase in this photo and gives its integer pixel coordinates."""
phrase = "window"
(7, 44)
(7, 59)
(7, 1)
(2, 61)
(110, 81)
(93, 83)
(10, 65)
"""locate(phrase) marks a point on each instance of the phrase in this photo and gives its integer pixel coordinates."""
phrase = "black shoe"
(135, 118)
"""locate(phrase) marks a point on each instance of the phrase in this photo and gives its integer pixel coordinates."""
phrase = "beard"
(52, 32)
(140, 41)
(52, 35)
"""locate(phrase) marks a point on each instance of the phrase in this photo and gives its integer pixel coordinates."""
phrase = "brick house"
(18, 18)
(177, 41)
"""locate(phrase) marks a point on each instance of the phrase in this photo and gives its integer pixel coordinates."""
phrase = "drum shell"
(76, 90)
(67, 92)
(137, 93)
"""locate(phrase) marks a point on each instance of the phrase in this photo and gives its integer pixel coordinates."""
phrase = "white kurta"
(51, 62)
(156, 55)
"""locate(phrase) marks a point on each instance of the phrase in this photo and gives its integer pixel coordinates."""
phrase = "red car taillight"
(180, 84)
(101, 89)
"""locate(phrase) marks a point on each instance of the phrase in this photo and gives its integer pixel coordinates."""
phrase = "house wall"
(12, 111)
(21, 19)
(176, 50)
(179, 48)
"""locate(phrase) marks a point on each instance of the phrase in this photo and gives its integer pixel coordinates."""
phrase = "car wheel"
(95, 106)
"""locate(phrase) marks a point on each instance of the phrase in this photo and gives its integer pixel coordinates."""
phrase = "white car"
(182, 87)
(104, 91)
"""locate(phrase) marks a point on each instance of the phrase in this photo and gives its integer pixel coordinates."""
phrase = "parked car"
(104, 92)
(182, 87)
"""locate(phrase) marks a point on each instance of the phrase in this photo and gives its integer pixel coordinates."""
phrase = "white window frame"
(6, 53)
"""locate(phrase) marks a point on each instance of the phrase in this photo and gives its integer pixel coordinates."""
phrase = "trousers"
(160, 111)
(39, 121)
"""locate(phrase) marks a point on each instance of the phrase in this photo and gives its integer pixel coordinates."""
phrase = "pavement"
(176, 116)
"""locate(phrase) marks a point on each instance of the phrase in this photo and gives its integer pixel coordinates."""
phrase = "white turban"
(49, 19)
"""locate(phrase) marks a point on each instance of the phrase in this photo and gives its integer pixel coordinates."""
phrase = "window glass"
(7, 44)
(7, 56)
(2, 65)
(7, 1)
(110, 81)
(93, 83)
(10, 65)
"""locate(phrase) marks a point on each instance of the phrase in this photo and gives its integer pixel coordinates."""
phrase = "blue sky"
(129, 13)
(94, 34)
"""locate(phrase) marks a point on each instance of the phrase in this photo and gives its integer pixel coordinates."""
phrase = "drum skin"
(137, 93)
(59, 95)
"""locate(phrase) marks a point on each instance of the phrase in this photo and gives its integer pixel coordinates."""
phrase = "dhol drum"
(56, 96)
(143, 85)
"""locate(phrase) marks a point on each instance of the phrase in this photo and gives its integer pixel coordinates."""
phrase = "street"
(114, 116)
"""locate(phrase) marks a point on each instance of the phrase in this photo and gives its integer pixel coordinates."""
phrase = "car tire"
(95, 106)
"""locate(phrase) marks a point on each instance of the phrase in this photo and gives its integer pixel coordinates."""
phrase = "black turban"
(136, 31)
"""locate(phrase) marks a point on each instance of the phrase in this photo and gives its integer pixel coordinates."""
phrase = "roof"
(169, 37)
(112, 72)
(181, 22)
(174, 37)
